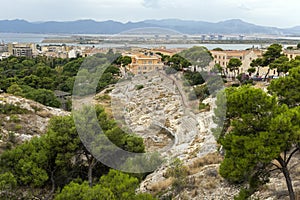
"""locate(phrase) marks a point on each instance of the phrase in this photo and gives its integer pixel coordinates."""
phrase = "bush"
(179, 172)
(12, 109)
(203, 106)
(201, 92)
(139, 87)
(194, 78)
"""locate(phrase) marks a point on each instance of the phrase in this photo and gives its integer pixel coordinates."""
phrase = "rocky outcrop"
(22, 119)
(148, 104)
(155, 111)
(155, 107)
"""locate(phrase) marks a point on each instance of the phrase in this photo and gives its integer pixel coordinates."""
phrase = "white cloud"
(151, 3)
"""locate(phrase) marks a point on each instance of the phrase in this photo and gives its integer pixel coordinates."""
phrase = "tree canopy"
(37, 78)
(234, 64)
(258, 132)
(59, 157)
(287, 88)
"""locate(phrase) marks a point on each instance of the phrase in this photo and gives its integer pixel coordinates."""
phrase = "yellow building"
(246, 56)
(144, 62)
(291, 54)
(27, 50)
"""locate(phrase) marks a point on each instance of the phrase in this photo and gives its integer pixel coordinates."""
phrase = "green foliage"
(194, 78)
(115, 185)
(139, 87)
(287, 88)
(243, 195)
(59, 156)
(122, 185)
(14, 118)
(178, 62)
(7, 181)
(7, 108)
(257, 62)
(258, 131)
(273, 58)
(26, 164)
(218, 49)
(36, 78)
(201, 92)
(164, 58)
(123, 60)
(273, 52)
(15, 89)
(203, 106)
(251, 70)
(217, 68)
(234, 64)
(8, 184)
(43, 96)
(281, 64)
(179, 172)
(197, 56)
(76, 191)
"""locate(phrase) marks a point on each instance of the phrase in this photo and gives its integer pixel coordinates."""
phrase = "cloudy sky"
(280, 13)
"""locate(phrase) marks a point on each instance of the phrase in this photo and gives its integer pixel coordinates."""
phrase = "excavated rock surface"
(32, 121)
(155, 107)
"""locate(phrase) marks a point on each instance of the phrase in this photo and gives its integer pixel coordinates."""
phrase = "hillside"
(232, 26)
(175, 130)
(22, 119)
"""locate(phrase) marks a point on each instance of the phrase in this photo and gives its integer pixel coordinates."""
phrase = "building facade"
(246, 56)
(22, 51)
(291, 54)
(144, 62)
(19, 50)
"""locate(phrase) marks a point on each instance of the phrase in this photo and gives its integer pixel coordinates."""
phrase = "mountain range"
(233, 26)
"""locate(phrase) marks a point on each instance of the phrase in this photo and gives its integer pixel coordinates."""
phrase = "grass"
(199, 163)
(161, 185)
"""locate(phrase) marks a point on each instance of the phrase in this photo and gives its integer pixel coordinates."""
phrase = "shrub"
(12, 109)
(204, 106)
(139, 87)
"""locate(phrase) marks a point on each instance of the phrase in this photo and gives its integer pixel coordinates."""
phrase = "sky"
(277, 13)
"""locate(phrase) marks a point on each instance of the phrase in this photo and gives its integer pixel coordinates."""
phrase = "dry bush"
(297, 170)
(209, 159)
(298, 195)
(161, 185)
(194, 193)
(210, 184)
(44, 114)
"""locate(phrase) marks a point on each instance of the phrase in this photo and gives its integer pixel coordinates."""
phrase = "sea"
(38, 38)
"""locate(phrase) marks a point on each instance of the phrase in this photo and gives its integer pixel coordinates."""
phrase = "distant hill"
(233, 26)
(293, 31)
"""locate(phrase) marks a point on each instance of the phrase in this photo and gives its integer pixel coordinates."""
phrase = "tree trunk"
(50, 195)
(288, 179)
(257, 73)
(90, 172)
(267, 74)
(289, 183)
